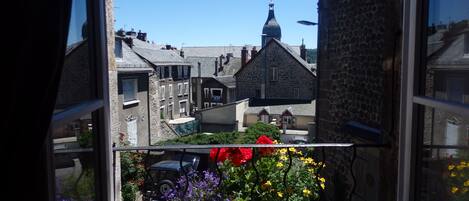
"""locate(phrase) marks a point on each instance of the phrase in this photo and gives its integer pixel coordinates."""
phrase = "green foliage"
(85, 139)
(129, 191)
(258, 129)
(311, 55)
(81, 190)
(132, 174)
(216, 138)
(303, 181)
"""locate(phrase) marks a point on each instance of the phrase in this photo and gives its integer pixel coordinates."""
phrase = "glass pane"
(447, 74)
(445, 157)
(74, 159)
(129, 88)
(75, 82)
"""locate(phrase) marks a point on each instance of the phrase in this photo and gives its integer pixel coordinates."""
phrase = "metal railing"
(320, 147)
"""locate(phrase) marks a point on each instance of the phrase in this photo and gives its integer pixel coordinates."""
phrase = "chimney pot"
(244, 56)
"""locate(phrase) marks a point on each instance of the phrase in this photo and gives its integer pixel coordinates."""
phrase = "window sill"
(132, 102)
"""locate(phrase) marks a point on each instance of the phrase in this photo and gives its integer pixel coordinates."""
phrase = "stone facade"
(292, 80)
(358, 62)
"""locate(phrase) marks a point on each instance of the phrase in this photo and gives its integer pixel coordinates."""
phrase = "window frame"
(98, 107)
(186, 88)
(134, 82)
(163, 91)
(274, 75)
(171, 92)
(414, 101)
(181, 108)
(180, 89)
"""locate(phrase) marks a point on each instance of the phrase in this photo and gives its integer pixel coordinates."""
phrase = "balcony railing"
(178, 164)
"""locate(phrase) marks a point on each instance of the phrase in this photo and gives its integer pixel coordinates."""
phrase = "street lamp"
(308, 23)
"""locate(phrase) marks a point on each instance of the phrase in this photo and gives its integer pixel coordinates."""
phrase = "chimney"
(216, 67)
(244, 56)
(131, 33)
(120, 32)
(199, 70)
(168, 47)
(253, 51)
(141, 36)
(303, 52)
(221, 60)
(181, 53)
(129, 41)
(228, 56)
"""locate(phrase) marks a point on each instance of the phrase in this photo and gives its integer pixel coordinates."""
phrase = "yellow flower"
(466, 183)
(292, 149)
(460, 167)
(275, 142)
(280, 194)
(454, 190)
(322, 179)
(464, 190)
(451, 167)
(306, 192)
(453, 174)
(463, 163)
(283, 158)
(302, 158)
(283, 151)
(323, 186)
(266, 185)
(311, 170)
(308, 160)
(299, 153)
(279, 165)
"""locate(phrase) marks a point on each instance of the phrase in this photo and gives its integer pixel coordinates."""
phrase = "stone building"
(276, 71)
(173, 73)
(359, 52)
(134, 93)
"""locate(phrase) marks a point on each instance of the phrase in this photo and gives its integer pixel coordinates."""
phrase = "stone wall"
(358, 62)
(291, 74)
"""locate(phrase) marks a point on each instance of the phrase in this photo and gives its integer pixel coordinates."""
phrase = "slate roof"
(130, 61)
(450, 54)
(295, 109)
(216, 51)
(158, 56)
(288, 49)
(207, 66)
(229, 81)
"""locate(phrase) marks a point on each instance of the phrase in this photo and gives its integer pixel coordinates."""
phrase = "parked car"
(163, 175)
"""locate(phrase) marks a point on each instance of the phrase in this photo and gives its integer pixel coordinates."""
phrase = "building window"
(466, 44)
(180, 89)
(132, 131)
(182, 107)
(180, 73)
(118, 48)
(129, 89)
(167, 69)
(186, 88)
(206, 92)
(296, 92)
(162, 92)
(170, 90)
(206, 104)
(274, 75)
(216, 94)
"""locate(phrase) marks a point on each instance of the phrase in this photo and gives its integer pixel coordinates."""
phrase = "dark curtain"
(37, 32)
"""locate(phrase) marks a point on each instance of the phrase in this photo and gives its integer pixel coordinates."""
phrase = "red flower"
(239, 156)
(222, 155)
(263, 139)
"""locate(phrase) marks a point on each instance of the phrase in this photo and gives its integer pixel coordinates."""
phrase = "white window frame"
(186, 88)
(206, 92)
(135, 91)
(183, 109)
(171, 91)
(180, 89)
(216, 89)
(162, 91)
(206, 104)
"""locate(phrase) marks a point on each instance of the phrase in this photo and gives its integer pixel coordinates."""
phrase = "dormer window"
(118, 48)
(466, 44)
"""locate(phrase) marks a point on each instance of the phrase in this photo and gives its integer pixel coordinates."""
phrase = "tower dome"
(271, 27)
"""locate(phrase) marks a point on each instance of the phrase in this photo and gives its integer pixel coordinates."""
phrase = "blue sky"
(215, 22)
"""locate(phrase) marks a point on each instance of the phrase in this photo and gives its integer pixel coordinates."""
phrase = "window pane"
(75, 82)
(74, 171)
(129, 88)
(445, 149)
(447, 74)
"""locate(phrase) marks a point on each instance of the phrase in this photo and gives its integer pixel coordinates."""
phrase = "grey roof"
(451, 53)
(229, 81)
(130, 61)
(157, 56)
(216, 51)
(295, 109)
(291, 51)
(207, 66)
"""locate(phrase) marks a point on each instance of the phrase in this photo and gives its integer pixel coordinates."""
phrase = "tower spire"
(271, 27)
